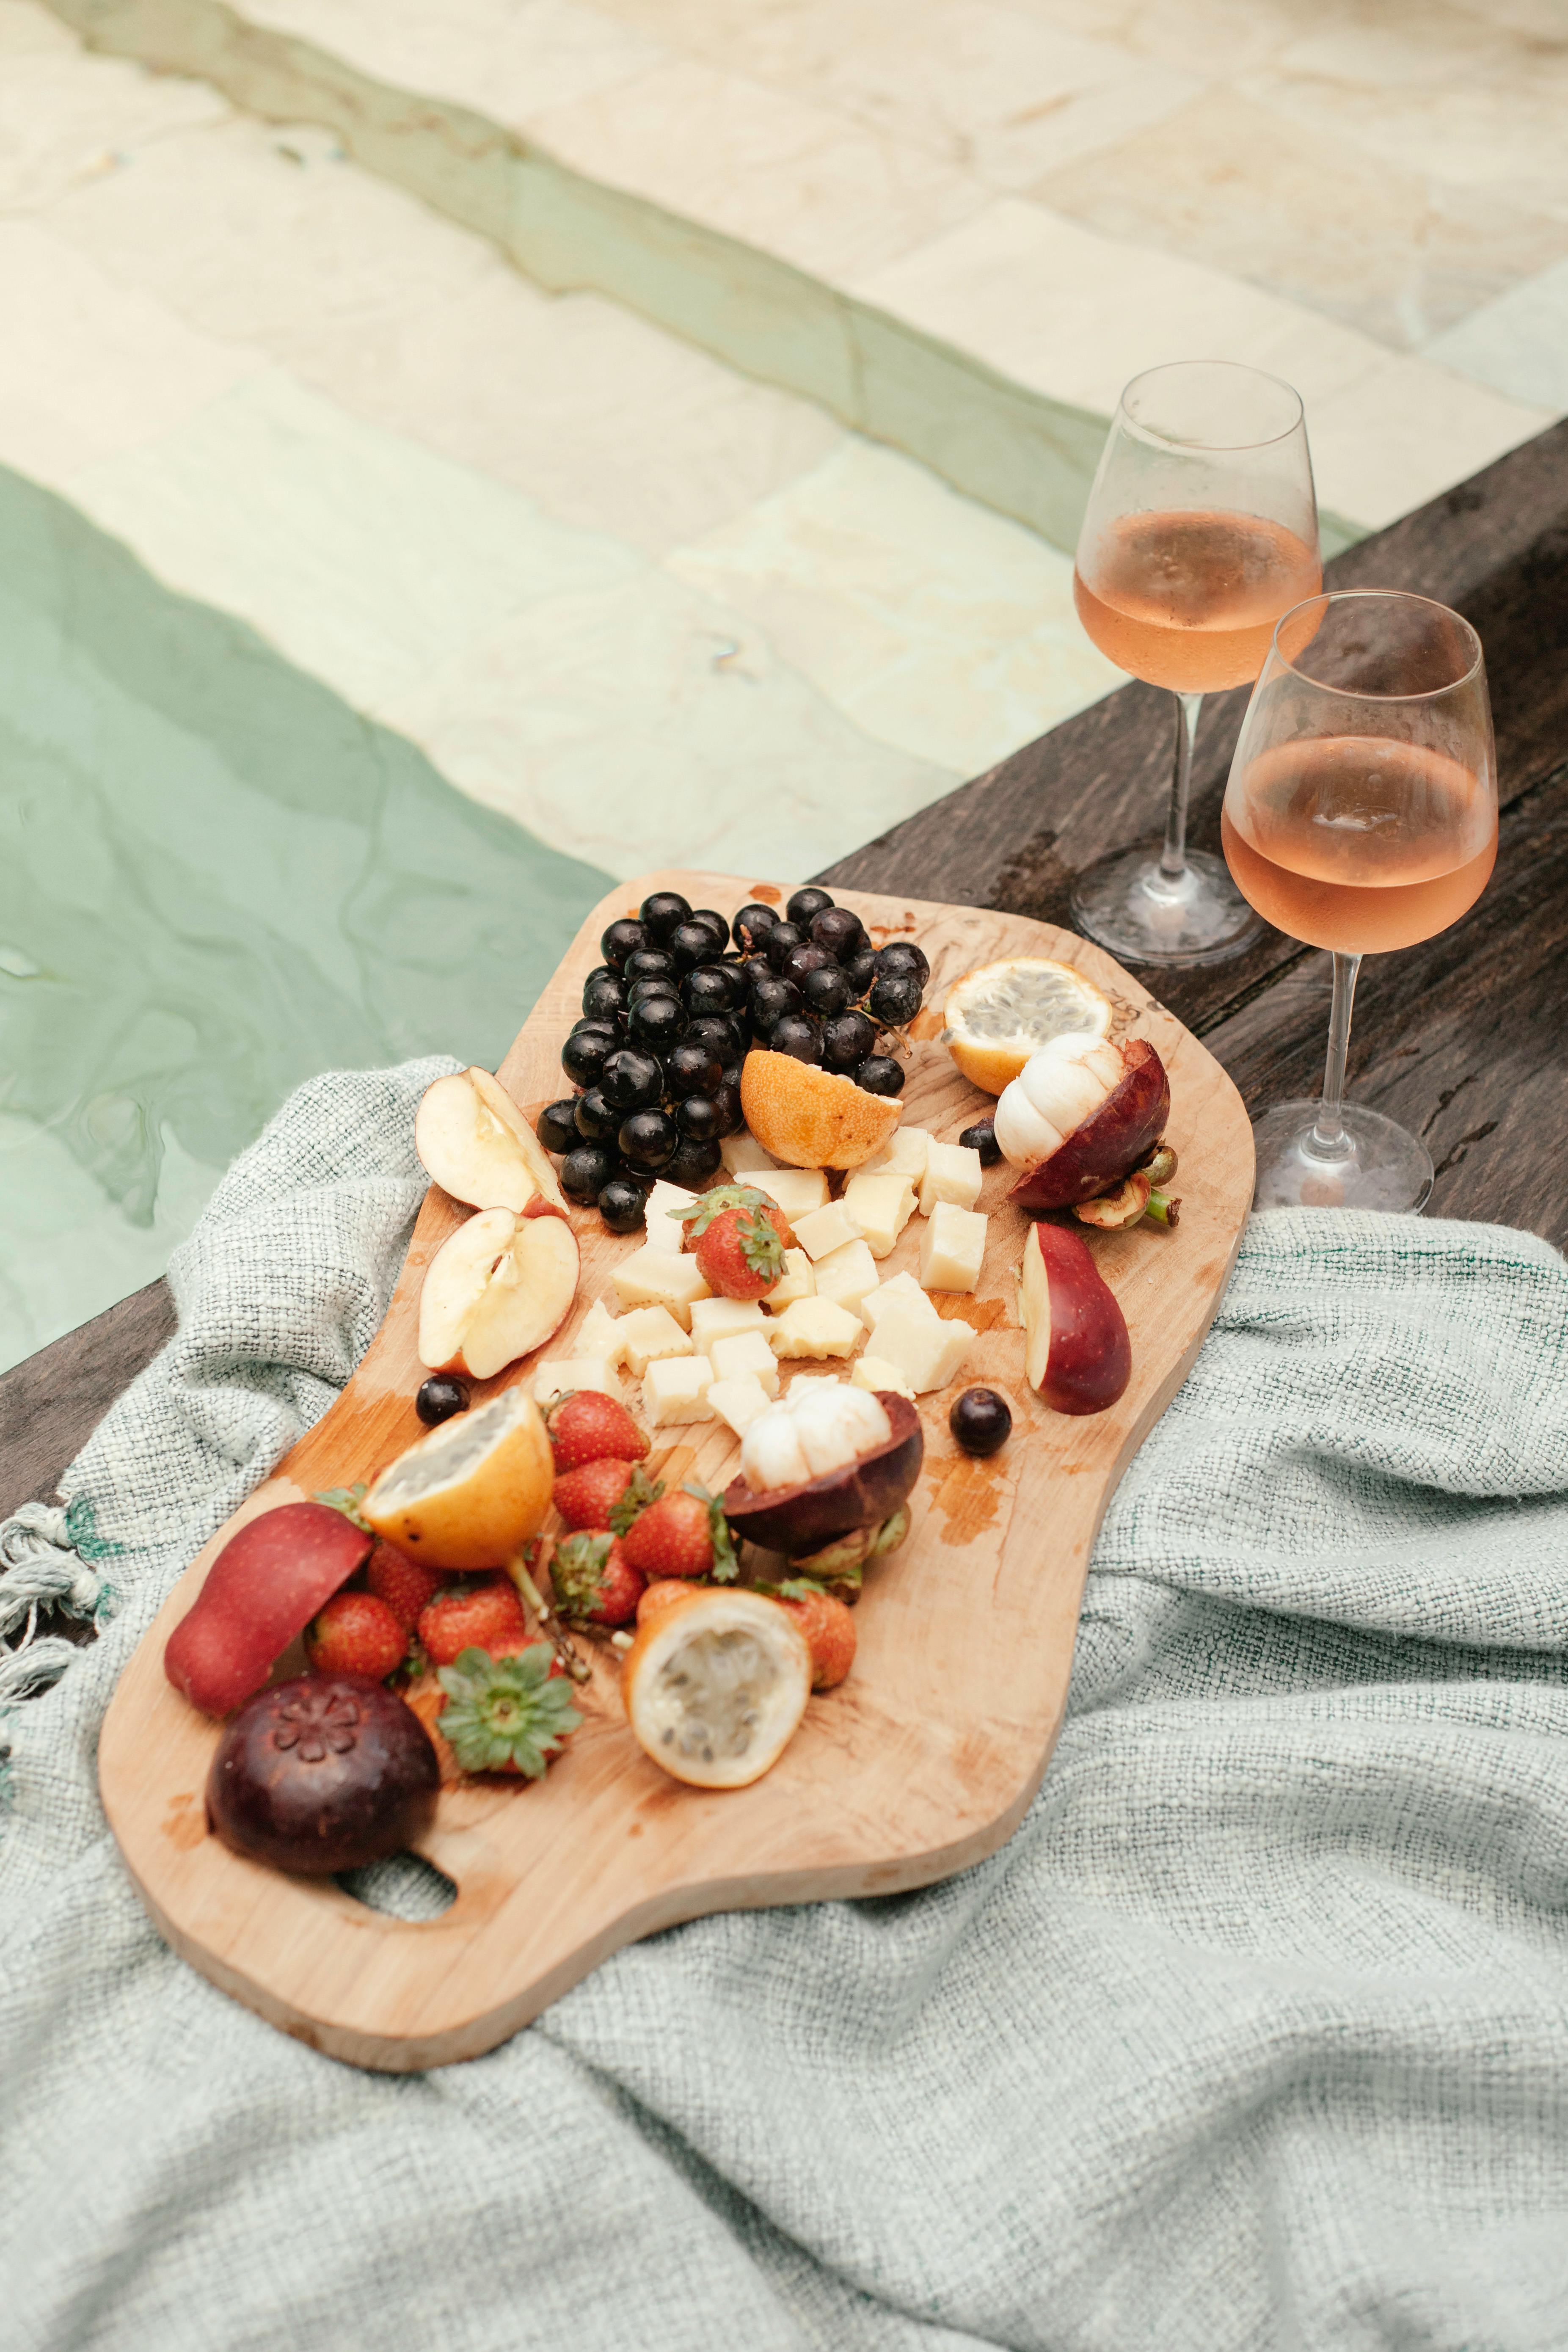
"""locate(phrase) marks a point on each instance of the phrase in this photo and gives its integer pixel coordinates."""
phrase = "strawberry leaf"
(635, 1497)
(726, 1561)
(760, 1244)
(347, 1499)
(701, 1213)
(506, 1711)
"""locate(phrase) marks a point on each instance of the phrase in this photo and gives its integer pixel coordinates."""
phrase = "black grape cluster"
(668, 1019)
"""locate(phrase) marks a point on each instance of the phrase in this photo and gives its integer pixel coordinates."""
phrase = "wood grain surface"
(920, 1764)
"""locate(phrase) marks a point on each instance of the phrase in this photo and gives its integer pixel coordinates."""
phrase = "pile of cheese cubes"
(704, 1358)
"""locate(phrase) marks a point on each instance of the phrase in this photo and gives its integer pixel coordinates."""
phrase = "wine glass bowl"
(1200, 530)
(1361, 815)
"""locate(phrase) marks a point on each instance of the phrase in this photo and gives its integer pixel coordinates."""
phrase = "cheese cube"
(899, 1286)
(601, 1335)
(847, 1275)
(674, 1389)
(925, 1347)
(659, 1277)
(559, 1373)
(797, 1190)
(742, 1154)
(876, 1372)
(904, 1152)
(739, 1402)
(722, 1318)
(823, 1230)
(952, 1247)
(881, 1205)
(953, 1173)
(796, 1281)
(748, 1351)
(664, 1231)
(815, 1327)
(649, 1334)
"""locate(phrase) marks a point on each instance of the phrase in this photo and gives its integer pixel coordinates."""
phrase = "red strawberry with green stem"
(738, 1238)
(608, 1493)
(682, 1535)
(356, 1633)
(586, 1425)
(510, 1713)
(595, 1582)
(407, 1586)
(473, 1616)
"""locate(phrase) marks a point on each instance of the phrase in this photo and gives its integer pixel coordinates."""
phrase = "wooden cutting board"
(920, 1764)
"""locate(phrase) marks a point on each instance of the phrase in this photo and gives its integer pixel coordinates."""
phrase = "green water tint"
(215, 878)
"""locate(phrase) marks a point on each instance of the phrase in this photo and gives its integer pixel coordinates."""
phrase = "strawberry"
(470, 1616)
(407, 1586)
(594, 1580)
(682, 1535)
(827, 1625)
(738, 1238)
(608, 1493)
(510, 1713)
(356, 1633)
(584, 1425)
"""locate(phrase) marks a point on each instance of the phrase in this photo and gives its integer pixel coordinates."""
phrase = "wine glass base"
(1384, 1166)
(1144, 916)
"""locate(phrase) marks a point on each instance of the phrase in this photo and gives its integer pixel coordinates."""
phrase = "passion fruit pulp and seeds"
(670, 1014)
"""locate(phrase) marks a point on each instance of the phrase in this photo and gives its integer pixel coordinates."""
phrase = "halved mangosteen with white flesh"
(1080, 1116)
(825, 1474)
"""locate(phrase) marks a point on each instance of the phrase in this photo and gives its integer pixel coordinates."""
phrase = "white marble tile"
(1406, 431)
(1516, 345)
(762, 166)
(363, 559)
(942, 628)
(93, 368)
(28, 29)
(1211, 37)
(649, 725)
(66, 118)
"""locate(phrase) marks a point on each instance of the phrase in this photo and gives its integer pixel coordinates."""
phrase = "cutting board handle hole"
(403, 1886)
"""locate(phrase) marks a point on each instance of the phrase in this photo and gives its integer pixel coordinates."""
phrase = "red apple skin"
(1108, 1146)
(804, 1519)
(264, 1587)
(1090, 1359)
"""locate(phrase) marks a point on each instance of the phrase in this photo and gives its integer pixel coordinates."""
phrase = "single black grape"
(720, 1032)
(651, 963)
(860, 972)
(633, 1079)
(603, 999)
(895, 998)
(647, 1138)
(603, 1022)
(727, 1103)
(585, 1172)
(622, 1204)
(806, 957)
(879, 1075)
(840, 931)
(660, 913)
(751, 925)
(692, 1162)
(601, 971)
(713, 922)
(439, 1398)
(713, 988)
(806, 902)
(556, 1125)
(826, 992)
(847, 1041)
(597, 1118)
(692, 1068)
(731, 1077)
(798, 1034)
(584, 1053)
(780, 940)
(655, 1023)
(698, 1117)
(622, 939)
(982, 1138)
(981, 1421)
(690, 944)
(903, 955)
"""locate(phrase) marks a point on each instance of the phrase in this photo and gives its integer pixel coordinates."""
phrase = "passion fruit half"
(805, 1517)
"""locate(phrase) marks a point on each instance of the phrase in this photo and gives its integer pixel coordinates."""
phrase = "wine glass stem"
(1329, 1137)
(1174, 857)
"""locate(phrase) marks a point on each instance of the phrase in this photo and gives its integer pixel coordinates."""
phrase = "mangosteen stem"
(560, 1642)
(1162, 1208)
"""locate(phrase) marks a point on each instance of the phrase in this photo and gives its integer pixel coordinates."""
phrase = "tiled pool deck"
(366, 603)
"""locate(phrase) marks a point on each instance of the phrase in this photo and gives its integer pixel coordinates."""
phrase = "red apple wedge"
(1078, 1353)
(497, 1290)
(474, 1142)
(1080, 1117)
(264, 1587)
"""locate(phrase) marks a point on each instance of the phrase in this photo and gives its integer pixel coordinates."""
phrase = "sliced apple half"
(474, 1142)
(500, 1287)
(1077, 1352)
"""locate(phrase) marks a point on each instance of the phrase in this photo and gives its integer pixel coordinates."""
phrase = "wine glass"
(1361, 815)
(1200, 530)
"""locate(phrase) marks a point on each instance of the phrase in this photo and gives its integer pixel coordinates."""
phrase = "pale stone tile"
(649, 725)
(506, 58)
(1517, 345)
(93, 368)
(942, 628)
(1403, 433)
(762, 166)
(1075, 315)
(28, 29)
(1211, 37)
(65, 118)
(364, 560)
(1309, 215)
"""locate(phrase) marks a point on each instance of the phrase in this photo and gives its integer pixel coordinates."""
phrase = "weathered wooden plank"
(50, 1405)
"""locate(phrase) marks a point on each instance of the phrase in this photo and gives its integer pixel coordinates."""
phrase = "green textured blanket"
(1255, 2034)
